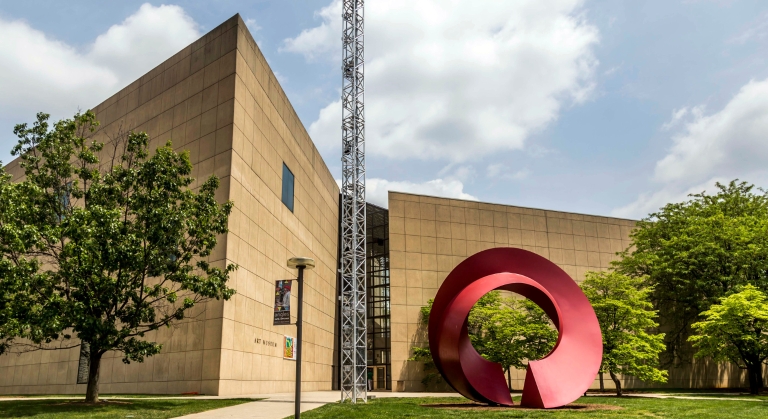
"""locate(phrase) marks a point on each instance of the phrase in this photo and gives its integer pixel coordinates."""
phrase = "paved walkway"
(280, 405)
(264, 409)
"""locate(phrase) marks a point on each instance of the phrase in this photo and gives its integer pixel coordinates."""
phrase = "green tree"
(513, 332)
(697, 251)
(422, 354)
(626, 318)
(503, 330)
(736, 330)
(103, 250)
(478, 316)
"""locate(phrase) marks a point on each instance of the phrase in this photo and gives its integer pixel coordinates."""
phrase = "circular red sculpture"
(553, 381)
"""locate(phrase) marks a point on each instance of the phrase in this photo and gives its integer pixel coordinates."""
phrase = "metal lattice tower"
(353, 299)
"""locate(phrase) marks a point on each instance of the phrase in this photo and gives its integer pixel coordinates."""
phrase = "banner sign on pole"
(289, 348)
(282, 302)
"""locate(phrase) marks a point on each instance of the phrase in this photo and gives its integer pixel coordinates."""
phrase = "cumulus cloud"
(650, 202)
(252, 25)
(376, 191)
(40, 73)
(458, 80)
(321, 41)
(733, 140)
(757, 30)
(677, 116)
(143, 40)
(500, 171)
(730, 143)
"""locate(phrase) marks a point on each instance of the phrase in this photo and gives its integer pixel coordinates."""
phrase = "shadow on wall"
(698, 373)
(417, 375)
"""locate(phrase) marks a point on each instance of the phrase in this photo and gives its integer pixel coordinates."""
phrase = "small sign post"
(301, 264)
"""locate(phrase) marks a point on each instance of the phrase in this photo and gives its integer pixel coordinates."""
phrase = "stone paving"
(279, 406)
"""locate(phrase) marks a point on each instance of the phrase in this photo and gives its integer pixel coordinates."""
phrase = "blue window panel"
(64, 196)
(288, 187)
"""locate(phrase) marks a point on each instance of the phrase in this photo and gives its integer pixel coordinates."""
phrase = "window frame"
(283, 197)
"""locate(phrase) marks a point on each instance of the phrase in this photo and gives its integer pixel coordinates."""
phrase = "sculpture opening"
(511, 330)
(553, 381)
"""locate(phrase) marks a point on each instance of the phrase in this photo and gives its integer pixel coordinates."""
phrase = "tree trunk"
(616, 382)
(755, 372)
(602, 384)
(509, 379)
(92, 393)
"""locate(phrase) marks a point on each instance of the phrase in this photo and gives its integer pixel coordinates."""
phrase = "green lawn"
(101, 396)
(137, 408)
(727, 393)
(625, 407)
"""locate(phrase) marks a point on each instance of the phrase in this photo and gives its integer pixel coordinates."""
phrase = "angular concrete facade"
(429, 236)
(219, 99)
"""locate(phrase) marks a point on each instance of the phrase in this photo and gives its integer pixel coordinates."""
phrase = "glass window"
(64, 195)
(287, 187)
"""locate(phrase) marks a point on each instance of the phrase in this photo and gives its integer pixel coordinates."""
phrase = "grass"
(612, 407)
(717, 392)
(136, 408)
(101, 396)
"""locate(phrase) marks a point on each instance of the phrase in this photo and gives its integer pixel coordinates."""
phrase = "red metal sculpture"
(553, 381)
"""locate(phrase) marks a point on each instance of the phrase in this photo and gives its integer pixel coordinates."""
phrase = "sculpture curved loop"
(553, 381)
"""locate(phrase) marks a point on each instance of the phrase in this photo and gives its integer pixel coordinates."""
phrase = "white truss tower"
(353, 296)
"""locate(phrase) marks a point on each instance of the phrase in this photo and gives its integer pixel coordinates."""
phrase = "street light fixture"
(299, 263)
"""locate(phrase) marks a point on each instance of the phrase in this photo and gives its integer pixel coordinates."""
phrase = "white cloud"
(677, 116)
(757, 30)
(650, 202)
(252, 25)
(280, 77)
(500, 171)
(680, 115)
(326, 131)
(728, 144)
(463, 173)
(39, 73)
(612, 70)
(458, 80)
(143, 40)
(376, 191)
(320, 41)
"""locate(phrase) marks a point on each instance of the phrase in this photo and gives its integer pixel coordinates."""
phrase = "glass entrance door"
(377, 378)
(381, 378)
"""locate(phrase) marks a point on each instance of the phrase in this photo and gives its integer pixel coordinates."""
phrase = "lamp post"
(300, 264)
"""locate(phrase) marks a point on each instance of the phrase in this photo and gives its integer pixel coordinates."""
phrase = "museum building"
(219, 99)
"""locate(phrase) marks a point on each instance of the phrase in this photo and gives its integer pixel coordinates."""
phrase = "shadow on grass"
(592, 407)
(517, 407)
(154, 409)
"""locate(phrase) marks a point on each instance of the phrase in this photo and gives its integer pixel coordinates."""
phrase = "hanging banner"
(282, 302)
(289, 348)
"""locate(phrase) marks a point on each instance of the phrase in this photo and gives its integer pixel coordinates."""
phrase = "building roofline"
(377, 206)
(508, 205)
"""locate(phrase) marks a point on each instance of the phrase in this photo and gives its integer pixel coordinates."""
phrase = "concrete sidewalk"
(264, 409)
(280, 405)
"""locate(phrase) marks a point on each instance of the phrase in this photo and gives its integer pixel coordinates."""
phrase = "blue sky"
(600, 107)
